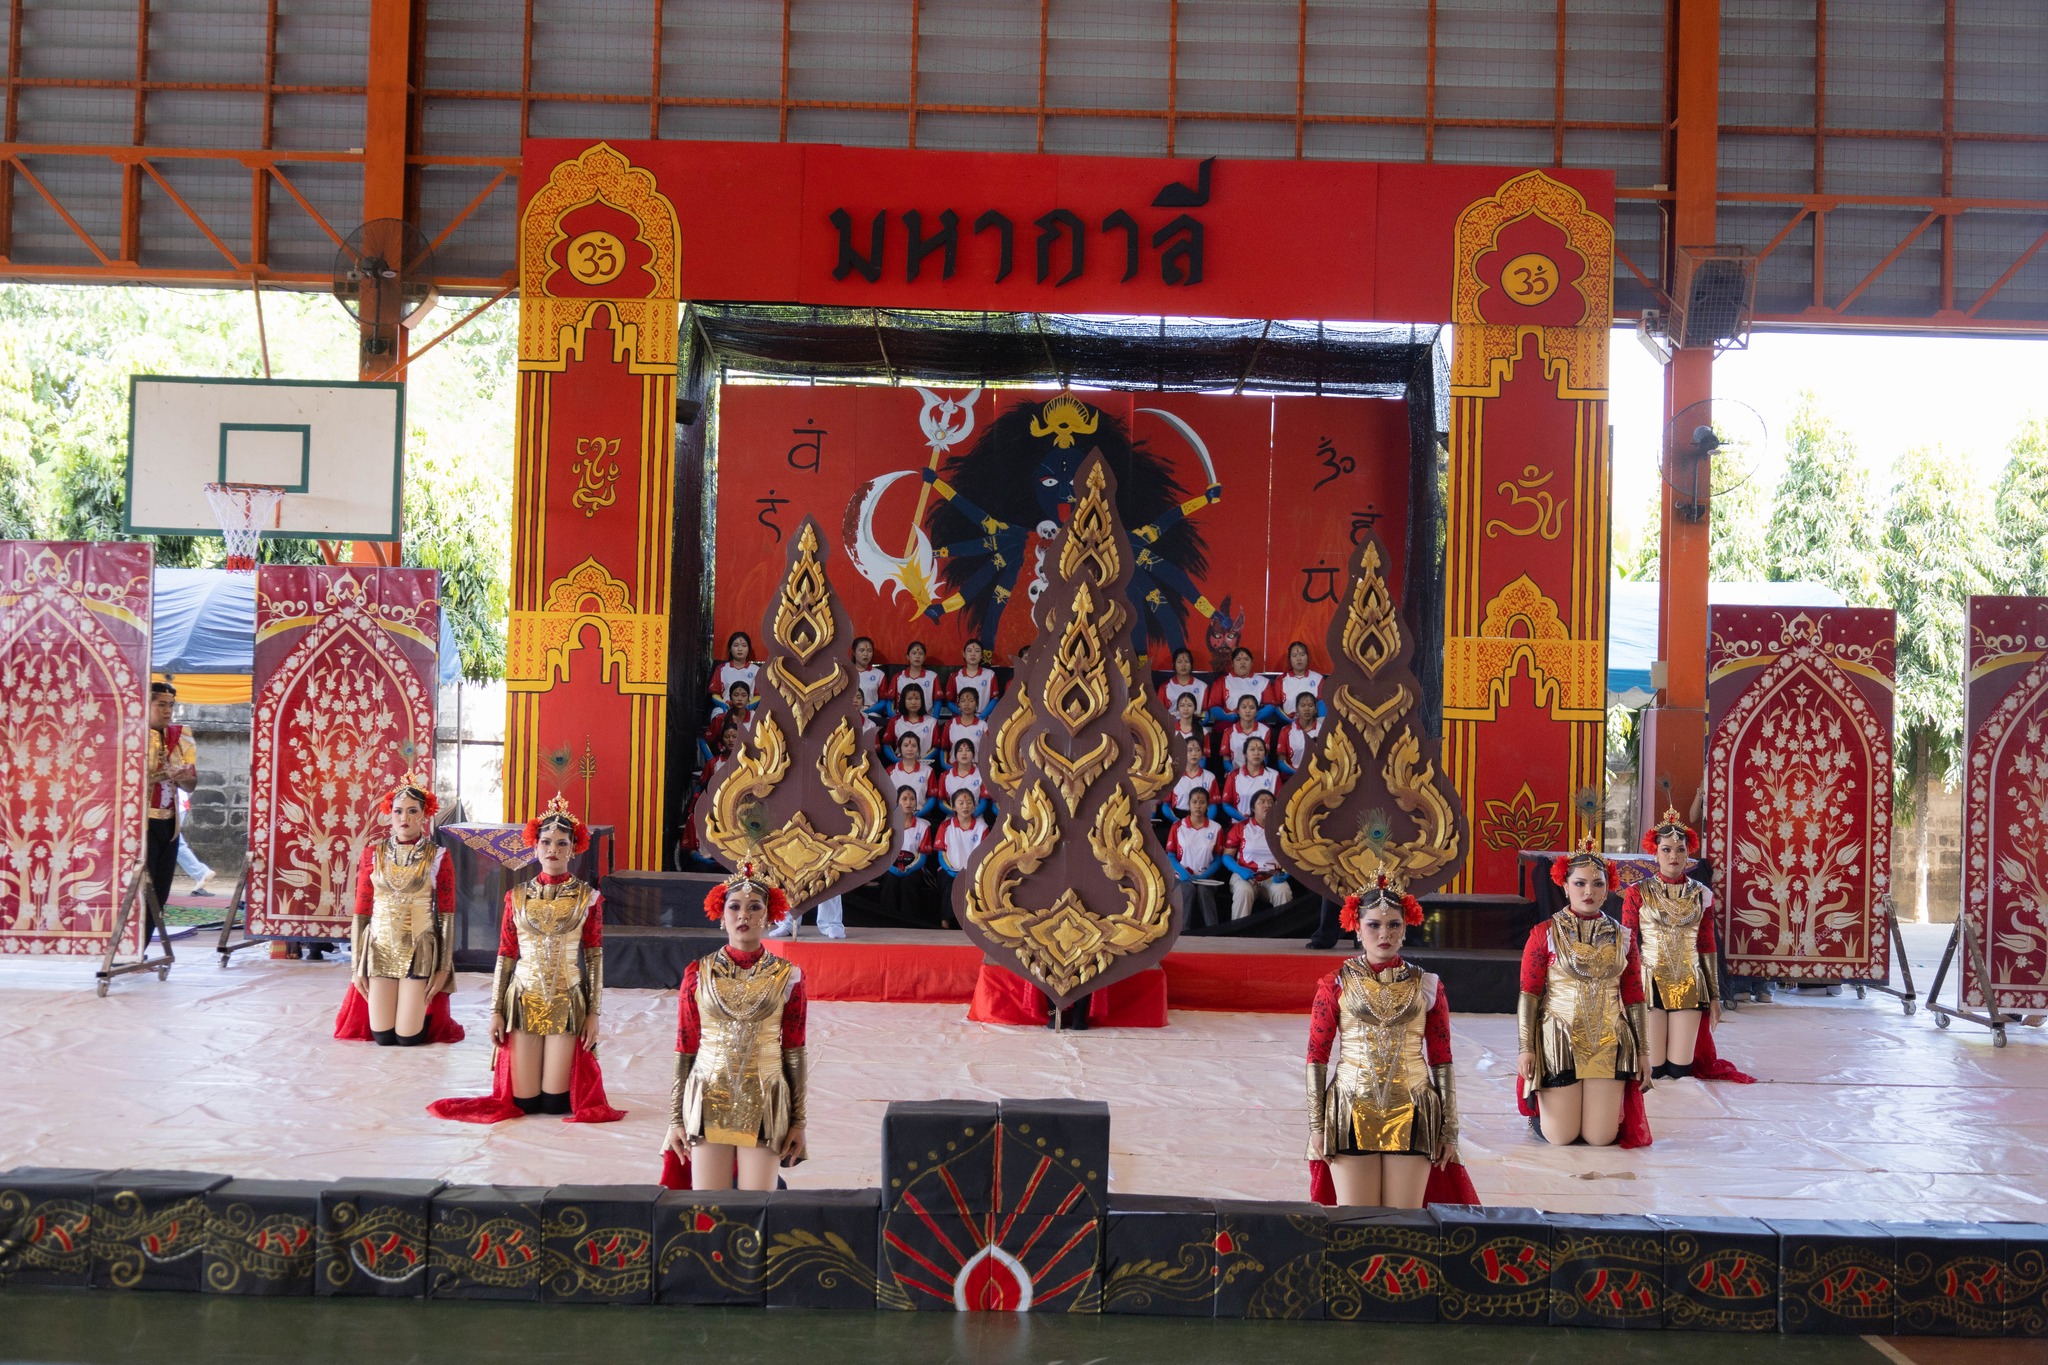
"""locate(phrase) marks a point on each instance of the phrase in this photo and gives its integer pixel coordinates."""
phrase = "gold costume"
(403, 936)
(1578, 1024)
(555, 983)
(1676, 974)
(741, 1087)
(1383, 1097)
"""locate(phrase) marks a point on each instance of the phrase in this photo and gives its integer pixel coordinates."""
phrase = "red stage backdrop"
(612, 235)
(346, 679)
(1294, 490)
(2005, 799)
(1799, 788)
(74, 679)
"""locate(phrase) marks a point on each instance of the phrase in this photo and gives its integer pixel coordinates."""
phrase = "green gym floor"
(169, 1328)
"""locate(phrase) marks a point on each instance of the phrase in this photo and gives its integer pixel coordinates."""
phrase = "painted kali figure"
(1582, 1026)
(737, 1106)
(402, 943)
(1382, 1106)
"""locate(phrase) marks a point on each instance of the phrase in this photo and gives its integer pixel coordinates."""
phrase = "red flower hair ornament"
(1382, 892)
(419, 791)
(750, 875)
(1671, 824)
(558, 816)
(1584, 856)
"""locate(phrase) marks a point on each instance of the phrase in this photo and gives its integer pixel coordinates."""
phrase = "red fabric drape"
(1003, 997)
(587, 1102)
(675, 1172)
(1449, 1184)
(352, 1020)
(1707, 1063)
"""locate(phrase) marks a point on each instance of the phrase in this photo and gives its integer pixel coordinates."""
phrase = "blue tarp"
(205, 622)
(1632, 620)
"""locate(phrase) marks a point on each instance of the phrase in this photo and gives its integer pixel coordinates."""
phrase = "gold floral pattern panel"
(347, 660)
(2005, 800)
(74, 747)
(1799, 788)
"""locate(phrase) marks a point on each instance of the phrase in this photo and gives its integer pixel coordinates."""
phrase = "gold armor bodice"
(553, 985)
(1670, 926)
(1381, 1098)
(404, 937)
(1583, 1027)
(736, 1092)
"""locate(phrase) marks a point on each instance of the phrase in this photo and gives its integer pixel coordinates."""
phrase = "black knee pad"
(1679, 1071)
(413, 1039)
(386, 1037)
(553, 1102)
(528, 1104)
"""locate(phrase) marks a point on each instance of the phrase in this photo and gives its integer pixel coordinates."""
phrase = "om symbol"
(1544, 510)
(596, 258)
(1530, 278)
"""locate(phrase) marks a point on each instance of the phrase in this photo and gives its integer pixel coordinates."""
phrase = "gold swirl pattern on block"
(491, 1252)
(382, 1243)
(803, 612)
(1077, 688)
(1006, 755)
(275, 1248)
(720, 1249)
(585, 1262)
(801, 1256)
(1073, 775)
(130, 1236)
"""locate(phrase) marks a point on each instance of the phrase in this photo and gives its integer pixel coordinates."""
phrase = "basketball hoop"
(242, 509)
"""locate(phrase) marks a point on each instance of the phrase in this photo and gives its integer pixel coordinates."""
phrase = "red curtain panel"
(74, 746)
(1799, 788)
(345, 686)
(2005, 799)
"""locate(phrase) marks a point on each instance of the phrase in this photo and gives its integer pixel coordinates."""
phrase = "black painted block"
(1606, 1270)
(1282, 1248)
(262, 1237)
(1720, 1274)
(1496, 1264)
(1159, 1256)
(1071, 1136)
(1382, 1265)
(2026, 1278)
(486, 1242)
(820, 1248)
(149, 1229)
(708, 1247)
(373, 1238)
(1951, 1279)
(942, 1151)
(46, 1220)
(946, 1261)
(1838, 1276)
(598, 1244)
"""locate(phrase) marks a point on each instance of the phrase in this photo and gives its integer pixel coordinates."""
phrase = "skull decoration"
(1064, 418)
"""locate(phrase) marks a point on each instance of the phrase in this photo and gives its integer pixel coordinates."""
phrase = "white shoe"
(785, 929)
(832, 930)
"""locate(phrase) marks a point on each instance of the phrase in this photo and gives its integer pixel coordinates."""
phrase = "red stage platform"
(1239, 975)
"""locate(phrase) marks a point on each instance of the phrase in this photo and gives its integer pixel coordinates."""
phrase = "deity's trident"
(915, 571)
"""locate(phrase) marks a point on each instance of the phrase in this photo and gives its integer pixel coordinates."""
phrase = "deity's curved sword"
(915, 570)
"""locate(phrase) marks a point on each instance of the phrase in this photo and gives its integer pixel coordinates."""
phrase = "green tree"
(2022, 514)
(458, 519)
(1824, 524)
(1738, 542)
(1637, 551)
(1937, 537)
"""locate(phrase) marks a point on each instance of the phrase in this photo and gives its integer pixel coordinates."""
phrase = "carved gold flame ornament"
(1369, 799)
(801, 769)
(1070, 891)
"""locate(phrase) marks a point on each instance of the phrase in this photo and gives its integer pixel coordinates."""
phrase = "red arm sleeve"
(1215, 699)
(508, 932)
(689, 1032)
(1436, 1029)
(444, 884)
(366, 899)
(1632, 971)
(593, 923)
(1632, 909)
(1322, 1020)
(1536, 960)
(795, 1011)
(1709, 941)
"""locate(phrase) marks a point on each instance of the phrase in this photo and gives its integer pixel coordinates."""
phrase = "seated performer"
(911, 773)
(912, 674)
(952, 844)
(1583, 1049)
(1187, 723)
(1243, 680)
(1247, 782)
(973, 674)
(547, 989)
(1388, 1110)
(967, 724)
(1672, 917)
(402, 948)
(736, 1109)
(911, 719)
(740, 665)
(1183, 683)
(1291, 749)
(1246, 727)
(1282, 692)
(962, 776)
(736, 706)
(1195, 848)
(867, 674)
(911, 845)
(1194, 776)
(1254, 871)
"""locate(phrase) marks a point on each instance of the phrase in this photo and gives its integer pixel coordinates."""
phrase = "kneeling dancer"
(737, 1107)
(1386, 1119)
(1582, 1026)
(1673, 916)
(402, 943)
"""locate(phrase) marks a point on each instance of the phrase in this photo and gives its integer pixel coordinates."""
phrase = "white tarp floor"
(1863, 1112)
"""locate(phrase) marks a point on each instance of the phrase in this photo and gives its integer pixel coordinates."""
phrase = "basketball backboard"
(337, 449)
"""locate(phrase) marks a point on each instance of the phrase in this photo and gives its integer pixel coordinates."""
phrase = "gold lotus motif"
(803, 615)
(1077, 687)
(804, 859)
(1072, 775)
(1372, 632)
(1089, 543)
(805, 699)
(1373, 722)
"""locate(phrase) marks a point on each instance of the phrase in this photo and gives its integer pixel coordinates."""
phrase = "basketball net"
(242, 510)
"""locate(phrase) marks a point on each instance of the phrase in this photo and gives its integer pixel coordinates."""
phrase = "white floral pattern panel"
(2005, 800)
(74, 739)
(1799, 789)
(345, 690)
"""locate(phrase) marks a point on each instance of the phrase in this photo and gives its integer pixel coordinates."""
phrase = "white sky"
(1891, 393)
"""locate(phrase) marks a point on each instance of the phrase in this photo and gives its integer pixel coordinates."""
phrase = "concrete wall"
(1944, 861)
